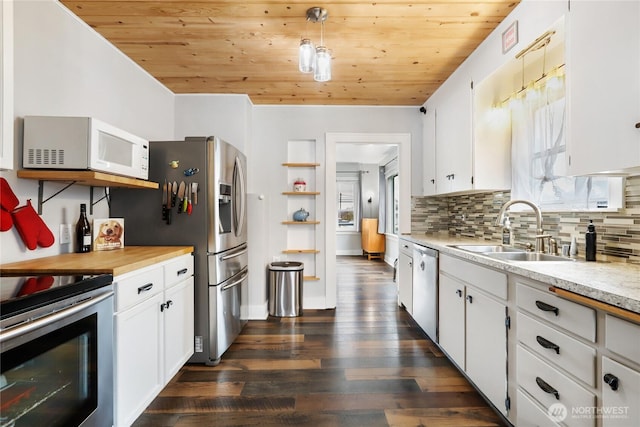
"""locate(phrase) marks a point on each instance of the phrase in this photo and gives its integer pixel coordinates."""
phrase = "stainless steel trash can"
(285, 288)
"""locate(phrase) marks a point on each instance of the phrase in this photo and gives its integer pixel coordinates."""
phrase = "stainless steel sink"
(486, 249)
(526, 256)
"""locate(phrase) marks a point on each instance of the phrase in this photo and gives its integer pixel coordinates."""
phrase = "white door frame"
(403, 140)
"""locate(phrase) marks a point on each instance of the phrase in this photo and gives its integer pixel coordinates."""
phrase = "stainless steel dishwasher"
(425, 290)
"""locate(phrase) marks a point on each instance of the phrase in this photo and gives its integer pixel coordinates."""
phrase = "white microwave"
(83, 143)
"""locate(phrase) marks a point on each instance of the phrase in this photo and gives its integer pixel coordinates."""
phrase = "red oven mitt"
(31, 227)
(8, 202)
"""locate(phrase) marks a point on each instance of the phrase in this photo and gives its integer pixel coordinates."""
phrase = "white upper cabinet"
(603, 87)
(472, 142)
(453, 135)
(6, 85)
(429, 153)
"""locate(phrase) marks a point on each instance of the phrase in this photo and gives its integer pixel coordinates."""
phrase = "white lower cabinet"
(486, 341)
(556, 357)
(154, 321)
(178, 326)
(554, 390)
(451, 319)
(472, 325)
(620, 377)
(138, 372)
(620, 394)
(531, 414)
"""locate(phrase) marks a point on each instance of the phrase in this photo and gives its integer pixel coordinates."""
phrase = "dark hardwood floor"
(363, 364)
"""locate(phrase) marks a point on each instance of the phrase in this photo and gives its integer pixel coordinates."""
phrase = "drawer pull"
(470, 299)
(547, 388)
(145, 288)
(459, 292)
(612, 380)
(548, 344)
(547, 307)
(181, 272)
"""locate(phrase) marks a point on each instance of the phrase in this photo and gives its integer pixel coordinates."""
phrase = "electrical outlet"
(65, 234)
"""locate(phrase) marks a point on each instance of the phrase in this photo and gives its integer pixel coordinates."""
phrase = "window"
(392, 187)
(347, 201)
(539, 155)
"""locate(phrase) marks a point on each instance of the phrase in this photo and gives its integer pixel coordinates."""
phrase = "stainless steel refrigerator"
(208, 211)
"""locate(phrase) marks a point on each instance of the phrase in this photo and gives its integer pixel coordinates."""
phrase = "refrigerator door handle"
(240, 201)
(235, 254)
(243, 275)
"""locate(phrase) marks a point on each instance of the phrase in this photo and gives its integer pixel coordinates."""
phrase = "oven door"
(58, 370)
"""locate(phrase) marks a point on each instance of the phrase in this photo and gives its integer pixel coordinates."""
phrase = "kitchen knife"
(164, 200)
(168, 208)
(194, 192)
(182, 204)
(189, 206)
(174, 190)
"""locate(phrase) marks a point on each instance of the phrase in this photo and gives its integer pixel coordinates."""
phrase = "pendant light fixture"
(316, 60)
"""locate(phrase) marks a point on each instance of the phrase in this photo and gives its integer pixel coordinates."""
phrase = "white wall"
(63, 67)
(534, 18)
(273, 127)
(227, 116)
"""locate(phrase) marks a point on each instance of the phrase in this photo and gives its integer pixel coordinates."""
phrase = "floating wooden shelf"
(300, 193)
(301, 251)
(310, 278)
(301, 165)
(96, 179)
(88, 178)
(300, 222)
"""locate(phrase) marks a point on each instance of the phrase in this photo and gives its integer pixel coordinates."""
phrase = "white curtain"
(539, 151)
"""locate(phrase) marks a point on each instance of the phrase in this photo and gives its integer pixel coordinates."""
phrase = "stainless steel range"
(56, 339)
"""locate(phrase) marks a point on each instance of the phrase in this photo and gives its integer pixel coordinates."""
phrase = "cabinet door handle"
(165, 306)
(145, 288)
(548, 344)
(547, 388)
(612, 380)
(470, 299)
(433, 181)
(422, 265)
(181, 272)
(547, 307)
(459, 292)
(638, 125)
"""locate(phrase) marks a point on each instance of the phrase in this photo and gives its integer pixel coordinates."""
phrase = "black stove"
(26, 293)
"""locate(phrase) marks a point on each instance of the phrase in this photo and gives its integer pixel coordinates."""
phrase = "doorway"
(403, 143)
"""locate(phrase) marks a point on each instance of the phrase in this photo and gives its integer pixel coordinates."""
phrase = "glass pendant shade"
(322, 71)
(306, 57)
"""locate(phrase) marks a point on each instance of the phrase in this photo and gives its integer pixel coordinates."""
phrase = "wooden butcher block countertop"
(114, 262)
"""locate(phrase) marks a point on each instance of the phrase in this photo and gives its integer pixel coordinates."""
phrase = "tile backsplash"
(473, 215)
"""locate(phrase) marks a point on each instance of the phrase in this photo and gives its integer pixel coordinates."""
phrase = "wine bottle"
(83, 231)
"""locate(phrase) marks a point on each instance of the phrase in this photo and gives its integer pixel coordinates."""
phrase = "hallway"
(363, 364)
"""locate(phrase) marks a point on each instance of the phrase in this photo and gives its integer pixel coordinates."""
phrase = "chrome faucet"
(539, 236)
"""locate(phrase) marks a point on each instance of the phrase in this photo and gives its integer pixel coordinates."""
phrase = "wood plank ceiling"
(388, 52)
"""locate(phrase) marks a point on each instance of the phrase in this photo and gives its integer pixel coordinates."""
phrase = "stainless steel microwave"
(83, 143)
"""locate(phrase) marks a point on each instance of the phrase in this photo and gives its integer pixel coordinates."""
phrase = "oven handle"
(236, 282)
(52, 318)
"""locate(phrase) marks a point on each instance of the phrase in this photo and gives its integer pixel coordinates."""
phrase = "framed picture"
(510, 37)
(108, 234)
